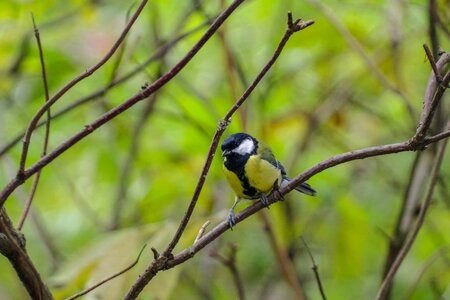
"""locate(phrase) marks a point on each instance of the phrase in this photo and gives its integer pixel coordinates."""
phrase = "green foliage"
(319, 74)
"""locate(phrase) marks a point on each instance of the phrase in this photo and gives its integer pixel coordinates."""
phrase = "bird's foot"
(264, 200)
(231, 219)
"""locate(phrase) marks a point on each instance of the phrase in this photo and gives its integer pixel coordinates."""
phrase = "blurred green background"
(354, 79)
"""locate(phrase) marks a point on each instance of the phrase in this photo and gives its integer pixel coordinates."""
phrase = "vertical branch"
(385, 286)
(47, 127)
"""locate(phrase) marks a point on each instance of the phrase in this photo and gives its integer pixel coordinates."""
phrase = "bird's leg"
(264, 200)
(231, 216)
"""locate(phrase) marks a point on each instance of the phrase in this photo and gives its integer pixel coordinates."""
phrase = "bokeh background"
(354, 79)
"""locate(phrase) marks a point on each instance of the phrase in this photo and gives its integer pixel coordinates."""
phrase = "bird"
(252, 171)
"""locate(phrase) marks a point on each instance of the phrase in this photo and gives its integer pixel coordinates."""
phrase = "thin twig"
(433, 96)
(47, 127)
(93, 287)
(202, 231)
(68, 86)
(315, 268)
(432, 63)
(415, 230)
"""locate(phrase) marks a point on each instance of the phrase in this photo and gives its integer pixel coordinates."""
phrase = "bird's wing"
(267, 154)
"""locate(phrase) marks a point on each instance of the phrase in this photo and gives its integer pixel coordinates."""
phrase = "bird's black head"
(239, 144)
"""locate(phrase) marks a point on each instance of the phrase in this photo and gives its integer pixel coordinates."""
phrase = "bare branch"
(415, 230)
(12, 246)
(202, 231)
(432, 63)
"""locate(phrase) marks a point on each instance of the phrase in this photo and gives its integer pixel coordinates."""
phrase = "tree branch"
(12, 246)
(385, 286)
(166, 257)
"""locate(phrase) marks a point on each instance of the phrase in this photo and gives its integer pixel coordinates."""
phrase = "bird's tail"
(304, 188)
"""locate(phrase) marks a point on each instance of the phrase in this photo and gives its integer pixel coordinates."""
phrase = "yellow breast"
(261, 174)
(234, 182)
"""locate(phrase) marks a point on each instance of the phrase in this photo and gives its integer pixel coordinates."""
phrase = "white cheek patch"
(246, 147)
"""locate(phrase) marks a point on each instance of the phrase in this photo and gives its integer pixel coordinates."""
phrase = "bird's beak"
(225, 153)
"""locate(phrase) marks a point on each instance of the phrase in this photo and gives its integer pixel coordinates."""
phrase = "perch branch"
(161, 262)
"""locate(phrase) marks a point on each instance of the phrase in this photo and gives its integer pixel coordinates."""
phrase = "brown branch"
(315, 269)
(384, 288)
(68, 86)
(164, 259)
(12, 246)
(274, 197)
(433, 96)
(47, 127)
(93, 287)
(432, 63)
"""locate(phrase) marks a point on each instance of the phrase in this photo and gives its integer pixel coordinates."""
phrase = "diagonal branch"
(384, 288)
(162, 261)
(277, 196)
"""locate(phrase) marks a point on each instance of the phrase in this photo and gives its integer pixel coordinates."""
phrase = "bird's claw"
(264, 200)
(231, 219)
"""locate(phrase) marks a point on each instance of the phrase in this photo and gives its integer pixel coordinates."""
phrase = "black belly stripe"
(236, 164)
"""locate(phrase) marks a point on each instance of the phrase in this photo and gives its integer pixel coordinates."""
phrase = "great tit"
(252, 170)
